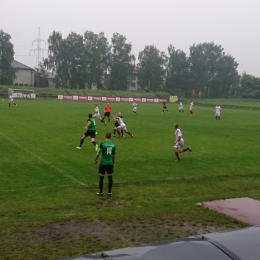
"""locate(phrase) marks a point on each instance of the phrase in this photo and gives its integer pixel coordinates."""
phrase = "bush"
(21, 84)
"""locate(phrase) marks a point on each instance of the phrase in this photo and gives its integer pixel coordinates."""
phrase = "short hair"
(108, 135)
(89, 115)
(176, 125)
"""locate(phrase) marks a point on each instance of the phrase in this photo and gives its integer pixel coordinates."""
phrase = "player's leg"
(110, 170)
(82, 141)
(101, 179)
(93, 141)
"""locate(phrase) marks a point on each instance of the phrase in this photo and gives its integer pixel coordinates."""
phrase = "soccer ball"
(96, 133)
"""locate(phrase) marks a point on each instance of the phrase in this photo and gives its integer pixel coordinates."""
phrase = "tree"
(151, 64)
(250, 86)
(212, 73)
(41, 76)
(7, 73)
(121, 62)
(177, 70)
(97, 56)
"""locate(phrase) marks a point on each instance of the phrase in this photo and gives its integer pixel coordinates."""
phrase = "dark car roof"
(241, 244)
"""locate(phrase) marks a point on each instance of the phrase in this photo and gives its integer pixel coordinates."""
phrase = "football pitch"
(48, 201)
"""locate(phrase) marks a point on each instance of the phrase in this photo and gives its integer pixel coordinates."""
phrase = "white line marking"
(41, 159)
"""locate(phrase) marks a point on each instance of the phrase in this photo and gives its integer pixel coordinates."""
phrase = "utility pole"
(39, 51)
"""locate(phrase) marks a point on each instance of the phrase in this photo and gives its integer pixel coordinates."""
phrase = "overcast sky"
(233, 24)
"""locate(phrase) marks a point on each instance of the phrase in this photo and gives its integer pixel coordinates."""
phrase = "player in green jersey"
(108, 152)
(90, 131)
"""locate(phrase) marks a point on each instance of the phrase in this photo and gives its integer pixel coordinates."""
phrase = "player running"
(107, 111)
(191, 108)
(134, 105)
(122, 125)
(181, 109)
(96, 114)
(117, 125)
(90, 131)
(11, 101)
(179, 143)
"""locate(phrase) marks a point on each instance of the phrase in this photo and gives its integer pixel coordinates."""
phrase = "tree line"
(81, 61)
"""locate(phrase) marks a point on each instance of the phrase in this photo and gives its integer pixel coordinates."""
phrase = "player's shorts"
(106, 168)
(217, 114)
(91, 133)
(11, 100)
(107, 114)
(180, 108)
(96, 115)
(116, 124)
(164, 107)
(123, 127)
(179, 145)
(134, 109)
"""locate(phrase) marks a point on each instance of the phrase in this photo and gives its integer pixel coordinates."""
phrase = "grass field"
(48, 203)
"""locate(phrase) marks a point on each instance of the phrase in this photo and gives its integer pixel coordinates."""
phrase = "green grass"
(48, 202)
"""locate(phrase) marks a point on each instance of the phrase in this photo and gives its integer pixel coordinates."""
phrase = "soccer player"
(121, 126)
(96, 114)
(179, 143)
(181, 107)
(191, 108)
(134, 105)
(11, 101)
(164, 107)
(90, 131)
(217, 112)
(108, 151)
(116, 125)
(107, 111)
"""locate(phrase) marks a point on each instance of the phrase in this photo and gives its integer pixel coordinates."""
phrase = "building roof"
(18, 65)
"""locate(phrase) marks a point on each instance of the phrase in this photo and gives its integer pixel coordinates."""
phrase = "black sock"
(114, 132)
(101, 178)
(122, 132)
(94, 143)
(110, 183)
(109, 119)
(81, 142)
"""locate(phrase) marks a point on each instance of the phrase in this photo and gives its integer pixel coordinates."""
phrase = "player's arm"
(98, 153)
(177, 140)
(87, 125)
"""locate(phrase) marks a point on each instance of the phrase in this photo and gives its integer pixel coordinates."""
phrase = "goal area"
(21, 93)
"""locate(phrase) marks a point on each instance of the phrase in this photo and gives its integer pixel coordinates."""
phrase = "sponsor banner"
(67, 97)
(162, 100)
(111, 99)
(95, 98)
(106, 99)
(83, 97)
(173, 99)
(124, 99)
(21, 95)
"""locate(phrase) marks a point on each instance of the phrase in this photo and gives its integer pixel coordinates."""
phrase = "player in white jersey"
(181, 109)
(191, 108)
(134, 105)
(96, 114)
(178, 144)
(217, 112)
(11, 100)
(121, 125)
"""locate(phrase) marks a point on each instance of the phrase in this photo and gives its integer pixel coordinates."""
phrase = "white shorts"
(217, 114)
(11, 100)
(96, 115)
(179, 145)
(134, 109)
(180, 108)
(123, 127)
